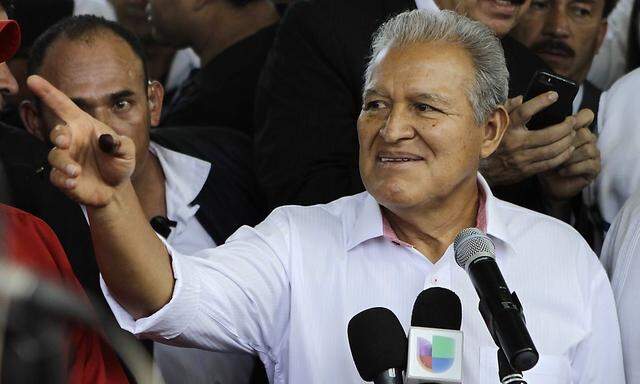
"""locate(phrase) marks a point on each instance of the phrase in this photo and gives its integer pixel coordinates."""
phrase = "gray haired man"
(286, 289)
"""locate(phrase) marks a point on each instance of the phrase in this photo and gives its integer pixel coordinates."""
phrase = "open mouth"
(505, 8)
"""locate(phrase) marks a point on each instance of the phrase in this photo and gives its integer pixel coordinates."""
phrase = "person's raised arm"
(92, 164)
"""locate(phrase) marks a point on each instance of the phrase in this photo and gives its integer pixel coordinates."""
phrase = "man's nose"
(397, 127)
(557, 23)
(8, 83)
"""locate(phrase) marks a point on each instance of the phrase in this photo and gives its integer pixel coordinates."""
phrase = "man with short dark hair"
(232, 39)
(196, 186)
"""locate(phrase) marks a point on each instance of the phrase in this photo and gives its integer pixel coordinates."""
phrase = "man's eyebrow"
(438, 99)
(374, 92)
(121, 94)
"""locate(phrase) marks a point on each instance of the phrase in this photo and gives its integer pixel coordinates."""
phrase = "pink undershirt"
(481, 221)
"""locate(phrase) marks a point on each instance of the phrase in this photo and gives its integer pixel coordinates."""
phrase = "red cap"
(9, 39)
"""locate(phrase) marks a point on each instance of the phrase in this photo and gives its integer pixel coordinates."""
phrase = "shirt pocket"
(551, 369)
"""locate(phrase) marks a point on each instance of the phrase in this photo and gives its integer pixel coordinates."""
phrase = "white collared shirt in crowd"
(427, 4)
(184, 178)
(619, 144)
(621, 258)
(100, 8)
(286, 289)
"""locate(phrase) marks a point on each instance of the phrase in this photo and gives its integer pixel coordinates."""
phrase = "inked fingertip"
(70, 183)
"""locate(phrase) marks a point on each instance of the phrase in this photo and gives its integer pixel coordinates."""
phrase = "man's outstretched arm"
(92, 164)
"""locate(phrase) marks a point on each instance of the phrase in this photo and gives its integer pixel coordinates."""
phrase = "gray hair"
(490, 88)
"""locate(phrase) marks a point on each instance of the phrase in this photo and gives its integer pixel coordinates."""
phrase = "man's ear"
(494, 129)
(155, 95)
(31, 120)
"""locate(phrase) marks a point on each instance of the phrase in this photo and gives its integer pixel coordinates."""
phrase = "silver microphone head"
(471, 244)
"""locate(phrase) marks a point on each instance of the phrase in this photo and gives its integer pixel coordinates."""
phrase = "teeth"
(395, 159)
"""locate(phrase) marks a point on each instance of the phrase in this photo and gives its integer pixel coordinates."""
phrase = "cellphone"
(543, 81)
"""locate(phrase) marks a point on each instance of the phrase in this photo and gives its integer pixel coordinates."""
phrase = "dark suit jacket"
(222, 93)
(309, 97)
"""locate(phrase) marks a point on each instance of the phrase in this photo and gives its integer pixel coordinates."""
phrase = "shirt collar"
(369, 223)
(429, 5)
(185, 176)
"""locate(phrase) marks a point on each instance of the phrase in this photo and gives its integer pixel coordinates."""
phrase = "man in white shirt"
(99, 65)
(621, 258)
(286, 289)
(619, 142)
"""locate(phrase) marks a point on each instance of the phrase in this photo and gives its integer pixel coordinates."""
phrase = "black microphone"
(378, 345)
(437, 313)
(500, 309)
(162, 225)
(437, 308)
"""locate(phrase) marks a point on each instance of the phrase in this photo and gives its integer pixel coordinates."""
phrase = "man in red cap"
(28, 241)
(9, 44)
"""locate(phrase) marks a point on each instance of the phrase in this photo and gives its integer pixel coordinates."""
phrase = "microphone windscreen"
(437, 308)
(377, 342)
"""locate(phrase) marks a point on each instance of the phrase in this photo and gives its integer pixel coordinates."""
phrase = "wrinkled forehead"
(426, 67)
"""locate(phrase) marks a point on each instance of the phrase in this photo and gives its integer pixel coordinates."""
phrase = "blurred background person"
(619, 144)
(232, 39)
(168, 65)
(28, 241)
(34, 17)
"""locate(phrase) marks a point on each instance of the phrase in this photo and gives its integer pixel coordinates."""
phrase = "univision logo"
(437, 355)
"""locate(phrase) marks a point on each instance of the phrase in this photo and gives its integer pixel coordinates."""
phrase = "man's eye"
(122, 105)
(582, 12)
(421, 107)
(373, 105)
(539, 5)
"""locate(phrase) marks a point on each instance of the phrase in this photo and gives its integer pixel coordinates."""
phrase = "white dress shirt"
(100, 8)
(286, 289)
(619, 144)
(621, 258)
(427, 4)
(610, 63)
(185, 177)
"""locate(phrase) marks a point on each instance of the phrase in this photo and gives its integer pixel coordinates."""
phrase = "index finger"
(57, 101)
(526, 110)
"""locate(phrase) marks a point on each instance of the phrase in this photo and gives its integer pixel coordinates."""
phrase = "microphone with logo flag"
(378, 345)
(435, 340)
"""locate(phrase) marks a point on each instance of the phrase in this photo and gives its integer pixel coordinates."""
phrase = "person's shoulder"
(537, 228)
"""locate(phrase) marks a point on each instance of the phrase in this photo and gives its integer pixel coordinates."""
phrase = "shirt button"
(434, 280)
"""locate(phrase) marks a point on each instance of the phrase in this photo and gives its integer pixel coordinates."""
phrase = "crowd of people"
(234, 180)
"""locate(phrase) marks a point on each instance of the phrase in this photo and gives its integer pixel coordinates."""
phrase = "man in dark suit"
(232, 39)
(197, 186)
(309, 98)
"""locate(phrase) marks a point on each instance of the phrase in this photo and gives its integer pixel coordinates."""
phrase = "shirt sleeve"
(598, 357)
(620, 258)
(231, 298)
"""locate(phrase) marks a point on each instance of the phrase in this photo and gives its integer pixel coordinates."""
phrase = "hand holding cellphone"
(566, 89)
